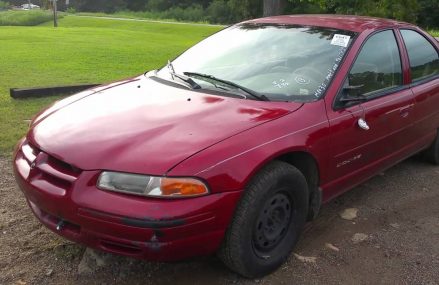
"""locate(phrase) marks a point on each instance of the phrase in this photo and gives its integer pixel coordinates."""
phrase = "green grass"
(434, 33)
(145, 15)
(81, 50)
(24, 18)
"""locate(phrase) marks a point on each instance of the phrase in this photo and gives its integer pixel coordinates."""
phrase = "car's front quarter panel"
(229, 165)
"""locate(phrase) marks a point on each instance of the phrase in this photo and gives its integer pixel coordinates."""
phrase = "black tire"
(267, 222)
(432, 153)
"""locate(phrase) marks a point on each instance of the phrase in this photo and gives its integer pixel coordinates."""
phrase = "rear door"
(371, 119)
(424, 72)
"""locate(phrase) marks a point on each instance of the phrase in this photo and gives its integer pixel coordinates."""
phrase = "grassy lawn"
(155, 16)
(81, 50)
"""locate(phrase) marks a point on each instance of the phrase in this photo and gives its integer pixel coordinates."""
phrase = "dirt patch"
(394, 239)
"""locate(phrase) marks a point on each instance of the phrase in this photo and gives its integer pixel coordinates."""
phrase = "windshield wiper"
(188, 80)
(250, 92)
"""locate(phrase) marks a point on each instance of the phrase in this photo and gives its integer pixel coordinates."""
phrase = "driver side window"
(377, 67)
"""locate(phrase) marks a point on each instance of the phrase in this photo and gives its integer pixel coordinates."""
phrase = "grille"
(122, 248)
(46, 172)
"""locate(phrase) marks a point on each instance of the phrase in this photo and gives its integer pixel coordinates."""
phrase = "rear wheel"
(432, 153)
(267, 221)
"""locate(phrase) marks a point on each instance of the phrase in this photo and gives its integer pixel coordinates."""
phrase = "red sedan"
(235, 144)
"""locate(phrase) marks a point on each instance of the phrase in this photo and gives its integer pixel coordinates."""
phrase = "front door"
(371, 118)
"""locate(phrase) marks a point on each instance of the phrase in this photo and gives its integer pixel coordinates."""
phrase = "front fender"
(229, 165)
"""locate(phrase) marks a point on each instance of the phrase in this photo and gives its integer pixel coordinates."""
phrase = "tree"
(108, 6)
(273, 7)
(406, 10)
(136, 5)
(422, 12)
(428, 13)
(219, 12)
(245, 9)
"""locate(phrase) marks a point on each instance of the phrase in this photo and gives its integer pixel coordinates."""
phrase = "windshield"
(281, 62)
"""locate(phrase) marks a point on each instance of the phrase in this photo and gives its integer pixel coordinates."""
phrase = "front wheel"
(267, 222)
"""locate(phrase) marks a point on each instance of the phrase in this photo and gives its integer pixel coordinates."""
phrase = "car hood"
(144, 126)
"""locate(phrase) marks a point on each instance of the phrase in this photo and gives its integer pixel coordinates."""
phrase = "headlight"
(151, 186)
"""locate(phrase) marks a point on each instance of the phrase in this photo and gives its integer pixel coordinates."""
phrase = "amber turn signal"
(182, 187)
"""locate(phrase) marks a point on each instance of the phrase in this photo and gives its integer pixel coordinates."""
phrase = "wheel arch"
(305, 163)
(308, 165)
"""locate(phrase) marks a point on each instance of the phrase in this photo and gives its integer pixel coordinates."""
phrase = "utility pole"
(55, 14)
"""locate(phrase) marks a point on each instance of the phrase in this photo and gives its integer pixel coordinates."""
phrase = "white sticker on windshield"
(340, 40)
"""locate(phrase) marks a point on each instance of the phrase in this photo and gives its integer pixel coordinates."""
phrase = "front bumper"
(153, 229)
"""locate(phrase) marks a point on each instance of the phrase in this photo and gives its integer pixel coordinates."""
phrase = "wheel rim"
(273, 223)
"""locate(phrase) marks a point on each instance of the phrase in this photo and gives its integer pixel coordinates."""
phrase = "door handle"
(363, 124)
(404, 111)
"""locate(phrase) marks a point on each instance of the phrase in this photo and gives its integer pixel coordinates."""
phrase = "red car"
(235, 144)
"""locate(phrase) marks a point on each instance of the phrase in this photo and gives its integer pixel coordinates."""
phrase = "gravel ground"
(394, 239)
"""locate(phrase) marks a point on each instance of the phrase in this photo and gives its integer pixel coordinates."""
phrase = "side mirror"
(353, 87)
(351, 93)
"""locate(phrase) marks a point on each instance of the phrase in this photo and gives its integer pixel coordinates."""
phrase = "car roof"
(340, 22)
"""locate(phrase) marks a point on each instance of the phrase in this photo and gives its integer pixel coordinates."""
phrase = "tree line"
(422, 12)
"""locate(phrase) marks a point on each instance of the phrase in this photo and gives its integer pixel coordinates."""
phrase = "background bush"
(193, 13)
(4, 5)
(24, 18)
(71, 10)
(220, 12)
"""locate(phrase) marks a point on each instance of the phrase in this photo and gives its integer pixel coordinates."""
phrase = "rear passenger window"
(424, 59)
(378, 66)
